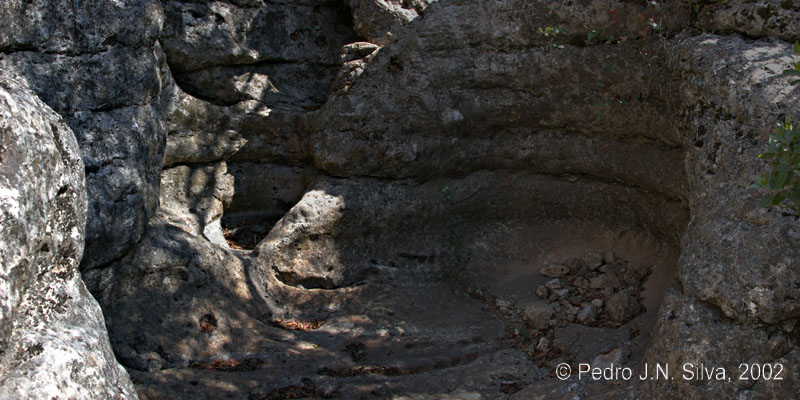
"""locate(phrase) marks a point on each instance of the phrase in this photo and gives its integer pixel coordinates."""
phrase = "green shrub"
(782, 181)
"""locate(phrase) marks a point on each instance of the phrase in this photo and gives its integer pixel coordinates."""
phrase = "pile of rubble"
(596, 290)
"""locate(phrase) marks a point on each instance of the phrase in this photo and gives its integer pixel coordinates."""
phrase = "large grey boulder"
(53, 341)
(96, 63)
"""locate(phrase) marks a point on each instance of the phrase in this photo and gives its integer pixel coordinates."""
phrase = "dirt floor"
(463, 329)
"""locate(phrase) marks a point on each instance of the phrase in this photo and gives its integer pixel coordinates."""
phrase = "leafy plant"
(795, 70)
(551, 32)
(782, 181)
(783, 156)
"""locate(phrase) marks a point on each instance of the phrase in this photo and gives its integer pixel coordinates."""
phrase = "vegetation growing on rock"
(783, 155)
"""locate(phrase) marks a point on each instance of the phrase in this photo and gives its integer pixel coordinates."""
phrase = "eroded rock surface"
(383, 21)
(738, 268)
(53, 343)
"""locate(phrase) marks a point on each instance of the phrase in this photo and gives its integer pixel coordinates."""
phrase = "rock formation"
(53, 342)
(97, 64)
(380, 198)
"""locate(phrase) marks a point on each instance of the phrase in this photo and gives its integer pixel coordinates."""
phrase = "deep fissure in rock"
(243, 231)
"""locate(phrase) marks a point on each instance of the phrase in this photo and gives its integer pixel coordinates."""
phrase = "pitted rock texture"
(753, 18)
(53, 343)
(383, 21)
(97, 64)
(722, 154)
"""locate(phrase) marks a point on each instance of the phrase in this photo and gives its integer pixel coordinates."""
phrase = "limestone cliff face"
(363, 192)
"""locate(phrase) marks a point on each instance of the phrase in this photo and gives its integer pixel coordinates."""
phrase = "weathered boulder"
(537, 315)
(301, 249)
(96, 63)
(554, 270)
(53, 342)
(622, 307)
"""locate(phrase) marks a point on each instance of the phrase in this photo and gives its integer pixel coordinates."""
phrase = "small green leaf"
(783, 178)
(766, 201)
(772, 183)
(783, 156)
(779, 198)
(794, 195)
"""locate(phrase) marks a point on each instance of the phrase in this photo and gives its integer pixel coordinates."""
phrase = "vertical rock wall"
(53, 342)
(736, 301)
(96, 64)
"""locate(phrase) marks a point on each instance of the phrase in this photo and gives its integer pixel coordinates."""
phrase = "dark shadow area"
(244, 230)
(262, 194)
